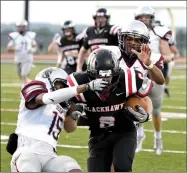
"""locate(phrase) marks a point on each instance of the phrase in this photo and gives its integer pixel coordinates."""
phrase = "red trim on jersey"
(159, 64)
(114, 30)
(69, 80)
(130, 81)
(168, 33)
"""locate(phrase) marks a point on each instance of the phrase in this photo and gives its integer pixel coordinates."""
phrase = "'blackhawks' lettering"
(110, 108)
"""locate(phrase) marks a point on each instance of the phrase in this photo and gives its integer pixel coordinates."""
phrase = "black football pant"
(112, 148)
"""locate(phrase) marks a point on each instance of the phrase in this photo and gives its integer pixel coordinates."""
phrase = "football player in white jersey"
(43, 113)
(23, 44)
(159, 37)
(167, 71)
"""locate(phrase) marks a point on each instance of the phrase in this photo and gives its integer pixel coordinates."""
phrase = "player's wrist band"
(149, 66)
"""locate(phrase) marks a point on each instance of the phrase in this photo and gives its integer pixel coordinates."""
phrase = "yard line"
(86, 127)
(175, 107)
(81, 147)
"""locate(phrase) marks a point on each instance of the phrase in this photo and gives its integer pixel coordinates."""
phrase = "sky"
(80, 12)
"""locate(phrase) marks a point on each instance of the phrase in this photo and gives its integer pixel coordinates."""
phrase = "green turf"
(144, 161)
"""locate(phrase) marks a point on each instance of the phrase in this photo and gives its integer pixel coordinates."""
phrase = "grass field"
(174, 129)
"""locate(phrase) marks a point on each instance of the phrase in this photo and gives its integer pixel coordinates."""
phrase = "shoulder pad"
(155, 57)
(32, 89)
(13, 35)
(76, 79)
(161, 30)
(81, 35)
(114, 29)
(31, 34)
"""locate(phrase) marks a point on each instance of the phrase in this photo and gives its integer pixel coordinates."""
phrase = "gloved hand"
(97, 85)
(140, 115)
(78, 112)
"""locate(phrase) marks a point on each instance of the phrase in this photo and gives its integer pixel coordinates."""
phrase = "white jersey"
(156, 34)
(43, 123)
(22, 43)
(156, 58)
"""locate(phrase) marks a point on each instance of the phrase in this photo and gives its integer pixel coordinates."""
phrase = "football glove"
(140, 115)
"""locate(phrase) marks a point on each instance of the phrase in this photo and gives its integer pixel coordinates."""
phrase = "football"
(144, 102)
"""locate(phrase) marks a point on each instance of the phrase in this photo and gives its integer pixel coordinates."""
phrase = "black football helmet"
(66, 26)
(101, 12)
(103, 63)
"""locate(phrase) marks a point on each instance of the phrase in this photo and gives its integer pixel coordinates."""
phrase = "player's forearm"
(60, 95)
(70, 125)
(52, 48)
(81, 58)
(165, 51)
(156, 75)
(11, 49)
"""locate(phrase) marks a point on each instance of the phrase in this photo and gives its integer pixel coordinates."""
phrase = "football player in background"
(112, 130)
(102, 33)
(44, 112)
(158, 43)
(67, 47)
(23, 44)
(167, 71)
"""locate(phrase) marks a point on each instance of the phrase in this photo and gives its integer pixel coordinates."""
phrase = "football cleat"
(158, 146)
(140, 140)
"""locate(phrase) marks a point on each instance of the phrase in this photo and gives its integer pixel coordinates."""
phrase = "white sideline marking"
(175, 107)
(145, 150)
(164, 114)
(86, 127)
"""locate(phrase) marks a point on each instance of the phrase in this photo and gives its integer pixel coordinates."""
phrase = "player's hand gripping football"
(144, 55)
(97, 85)
(140, 115)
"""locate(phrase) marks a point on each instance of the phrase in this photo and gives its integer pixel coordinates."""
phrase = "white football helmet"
(22, 23)
(145, 11)
(50, 75)
(22, 26)
(135, 29)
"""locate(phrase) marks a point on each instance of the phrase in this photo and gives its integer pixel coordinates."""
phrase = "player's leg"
(124, 152)
(165, 74)
(62, 164)
(168, 75)
(156, 96)
(25, 71)
(100, 154)
(26, 162)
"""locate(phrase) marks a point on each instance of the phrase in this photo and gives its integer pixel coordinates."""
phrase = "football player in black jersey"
(102, 33)
(68, 47)
(111, 124)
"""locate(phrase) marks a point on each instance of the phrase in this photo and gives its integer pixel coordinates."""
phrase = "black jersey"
(103, 113)
(70, 48)
(104, 36)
